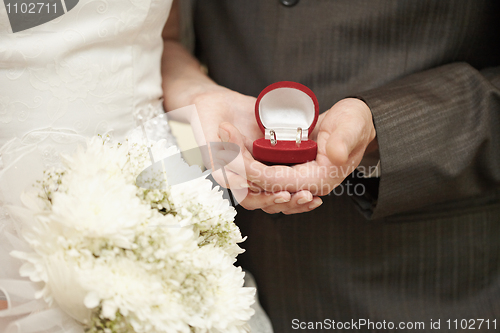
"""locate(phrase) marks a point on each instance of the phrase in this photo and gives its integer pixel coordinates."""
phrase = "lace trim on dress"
(153, 123)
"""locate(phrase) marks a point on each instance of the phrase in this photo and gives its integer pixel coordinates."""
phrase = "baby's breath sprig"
(99, 324)
(50, 183)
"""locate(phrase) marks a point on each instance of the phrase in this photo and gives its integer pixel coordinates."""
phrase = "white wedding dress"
(87, 72)
(93, 70)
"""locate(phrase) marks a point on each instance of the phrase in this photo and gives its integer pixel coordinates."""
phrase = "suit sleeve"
(439, 138)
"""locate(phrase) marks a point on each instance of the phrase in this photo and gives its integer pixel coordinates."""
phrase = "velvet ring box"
(286, 112)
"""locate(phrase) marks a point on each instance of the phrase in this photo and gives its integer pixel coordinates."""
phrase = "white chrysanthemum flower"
(61, 275)
(97, 156)
(99, 206)
(175, 186)
(225, 304)
(209, 213)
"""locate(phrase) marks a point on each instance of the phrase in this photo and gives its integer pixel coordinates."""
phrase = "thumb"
(227, 132)
(351, 130)
(245, 165)
(341, 143)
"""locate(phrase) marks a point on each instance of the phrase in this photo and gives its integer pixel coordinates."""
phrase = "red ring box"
(284, 107)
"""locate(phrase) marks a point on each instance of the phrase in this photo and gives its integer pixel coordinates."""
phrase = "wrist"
(204, 92)
(184, 78)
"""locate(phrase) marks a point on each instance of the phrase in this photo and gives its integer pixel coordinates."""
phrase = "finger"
(317, 180)
(302, 201)
(305, 207)
(227, 159)
(315, 132)
(298, 200)
(229, 133)
(263, 199)
(256, 172)
(231, 180)
(239, 186)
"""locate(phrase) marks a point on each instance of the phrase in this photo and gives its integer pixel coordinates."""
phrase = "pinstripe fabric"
(331, 263)
(426, 69)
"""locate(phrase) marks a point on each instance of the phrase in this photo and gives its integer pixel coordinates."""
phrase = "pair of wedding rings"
(298, 138)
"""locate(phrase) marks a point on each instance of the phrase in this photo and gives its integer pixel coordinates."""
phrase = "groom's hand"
(344, 133)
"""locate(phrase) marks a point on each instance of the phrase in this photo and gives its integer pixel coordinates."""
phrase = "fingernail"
(223, 135)
(302, 201)
(244, 185)
(315, 204)
(280, 200)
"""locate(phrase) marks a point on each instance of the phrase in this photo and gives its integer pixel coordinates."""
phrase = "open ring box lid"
(287, 109)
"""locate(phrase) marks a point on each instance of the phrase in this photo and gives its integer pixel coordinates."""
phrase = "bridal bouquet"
(117, 257)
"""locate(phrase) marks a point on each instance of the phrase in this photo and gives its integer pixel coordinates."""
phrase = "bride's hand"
(220, 105)
(184, 83)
